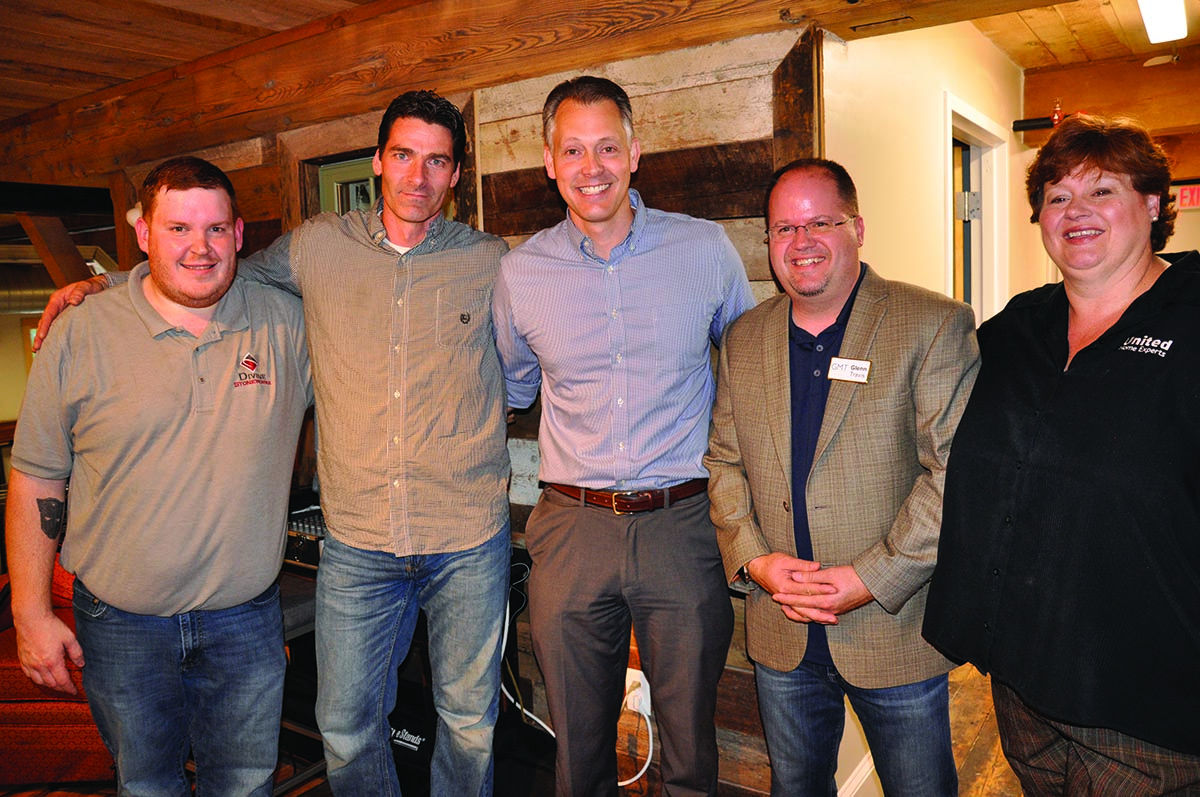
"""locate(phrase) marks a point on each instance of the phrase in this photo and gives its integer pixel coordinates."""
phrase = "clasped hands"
(807, 592)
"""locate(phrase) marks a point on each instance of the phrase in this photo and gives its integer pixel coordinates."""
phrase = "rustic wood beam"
(124, 199)
(850, 19)
(723, 181)
(1161, 97)
(285, 81)
(53, 243)
(1184, 152)
(797, 102)
(466, 196)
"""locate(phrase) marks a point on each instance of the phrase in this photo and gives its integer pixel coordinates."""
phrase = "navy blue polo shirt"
(808, 360)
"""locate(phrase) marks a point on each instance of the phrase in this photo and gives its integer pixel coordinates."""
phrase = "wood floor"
(982, 769)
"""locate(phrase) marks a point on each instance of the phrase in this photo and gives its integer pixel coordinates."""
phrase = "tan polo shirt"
(179, 449)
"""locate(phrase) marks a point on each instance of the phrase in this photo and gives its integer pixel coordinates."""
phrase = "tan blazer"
(875, 489)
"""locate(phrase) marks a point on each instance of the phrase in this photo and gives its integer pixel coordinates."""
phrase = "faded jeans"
(211, 680)
(907, 729)
(367, 604)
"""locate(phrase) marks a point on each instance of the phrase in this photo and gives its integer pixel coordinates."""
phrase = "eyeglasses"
(786, 232)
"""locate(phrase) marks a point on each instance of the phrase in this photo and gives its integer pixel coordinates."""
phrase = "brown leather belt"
(631, 501)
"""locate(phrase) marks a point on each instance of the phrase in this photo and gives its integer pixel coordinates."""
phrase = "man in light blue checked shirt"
(612, 313)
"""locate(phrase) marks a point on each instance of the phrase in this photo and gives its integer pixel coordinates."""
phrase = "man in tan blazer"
(836, 405)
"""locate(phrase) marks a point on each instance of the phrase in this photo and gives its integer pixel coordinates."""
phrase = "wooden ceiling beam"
(854, 20)
(288, 80)
(54, 245)
(1161, 97)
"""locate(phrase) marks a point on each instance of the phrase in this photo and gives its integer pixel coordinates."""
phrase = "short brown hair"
(586, 90)
(1111, 144)
(180, 174)
(834, 171)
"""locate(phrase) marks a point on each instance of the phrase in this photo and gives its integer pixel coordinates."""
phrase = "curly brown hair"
(1111, 144)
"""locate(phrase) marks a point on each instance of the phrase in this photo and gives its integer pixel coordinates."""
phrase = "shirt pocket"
(680, 335)
(462, 318)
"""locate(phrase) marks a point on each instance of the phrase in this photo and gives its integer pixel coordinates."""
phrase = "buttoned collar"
(584, 245)
(378, 232)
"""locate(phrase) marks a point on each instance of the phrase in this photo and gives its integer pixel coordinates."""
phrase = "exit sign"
(1188, 197)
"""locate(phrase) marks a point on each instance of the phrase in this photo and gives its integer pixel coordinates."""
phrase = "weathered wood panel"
(720, 62)
(748, 237)
(685, 98)
(797, 102)
(713, 113)
(717, 182)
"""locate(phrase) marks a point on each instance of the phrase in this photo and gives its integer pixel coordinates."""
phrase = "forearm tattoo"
(51, 511)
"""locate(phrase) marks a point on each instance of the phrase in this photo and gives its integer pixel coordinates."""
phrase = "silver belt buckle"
(630, 495)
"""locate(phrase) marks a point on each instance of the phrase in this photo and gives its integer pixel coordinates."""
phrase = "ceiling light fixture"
(1165, 20)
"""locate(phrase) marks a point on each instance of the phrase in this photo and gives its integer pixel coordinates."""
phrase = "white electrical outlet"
(637, 691)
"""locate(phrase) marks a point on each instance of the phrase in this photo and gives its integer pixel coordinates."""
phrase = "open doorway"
(977, 200)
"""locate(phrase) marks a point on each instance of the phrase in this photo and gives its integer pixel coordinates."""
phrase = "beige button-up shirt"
(411, 453)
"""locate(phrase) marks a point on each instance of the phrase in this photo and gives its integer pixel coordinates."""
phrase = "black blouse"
(1069, 559)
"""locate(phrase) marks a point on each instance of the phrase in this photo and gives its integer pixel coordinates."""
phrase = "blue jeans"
(367, 603)
(907, 729)
(211, 679)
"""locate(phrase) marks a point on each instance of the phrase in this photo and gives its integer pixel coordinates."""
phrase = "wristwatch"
(742, 582)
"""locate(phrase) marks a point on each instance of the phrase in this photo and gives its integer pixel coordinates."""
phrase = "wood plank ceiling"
(65, 65)
(58, 50)
(1080, 32)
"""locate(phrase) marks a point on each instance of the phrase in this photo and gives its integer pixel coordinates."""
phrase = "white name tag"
(846, 370)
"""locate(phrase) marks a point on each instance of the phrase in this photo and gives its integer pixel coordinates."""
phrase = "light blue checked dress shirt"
(620, 347)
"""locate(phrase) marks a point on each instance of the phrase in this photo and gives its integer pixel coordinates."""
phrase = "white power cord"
(649, 735)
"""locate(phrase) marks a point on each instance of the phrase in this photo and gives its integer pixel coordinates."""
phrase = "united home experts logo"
(247, 372)
(1147, 344)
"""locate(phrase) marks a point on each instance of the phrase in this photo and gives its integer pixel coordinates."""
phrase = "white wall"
(12, 367)
(887, 103)
(886, 122)
(1187, 231)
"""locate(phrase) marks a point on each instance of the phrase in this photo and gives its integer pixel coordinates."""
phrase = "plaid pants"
(1052, 758)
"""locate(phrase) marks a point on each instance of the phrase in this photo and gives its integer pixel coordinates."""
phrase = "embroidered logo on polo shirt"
(248, 374)
(1147, 344)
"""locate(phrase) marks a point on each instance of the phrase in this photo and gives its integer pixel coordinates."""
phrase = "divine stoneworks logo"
(1147, 344)
(248, 374)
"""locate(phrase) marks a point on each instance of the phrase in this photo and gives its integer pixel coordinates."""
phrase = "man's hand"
(66, 295)
(43, 648)
(822, 595)
(783, 575)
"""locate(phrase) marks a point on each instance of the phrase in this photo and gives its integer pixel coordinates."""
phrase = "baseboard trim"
(858, 778)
